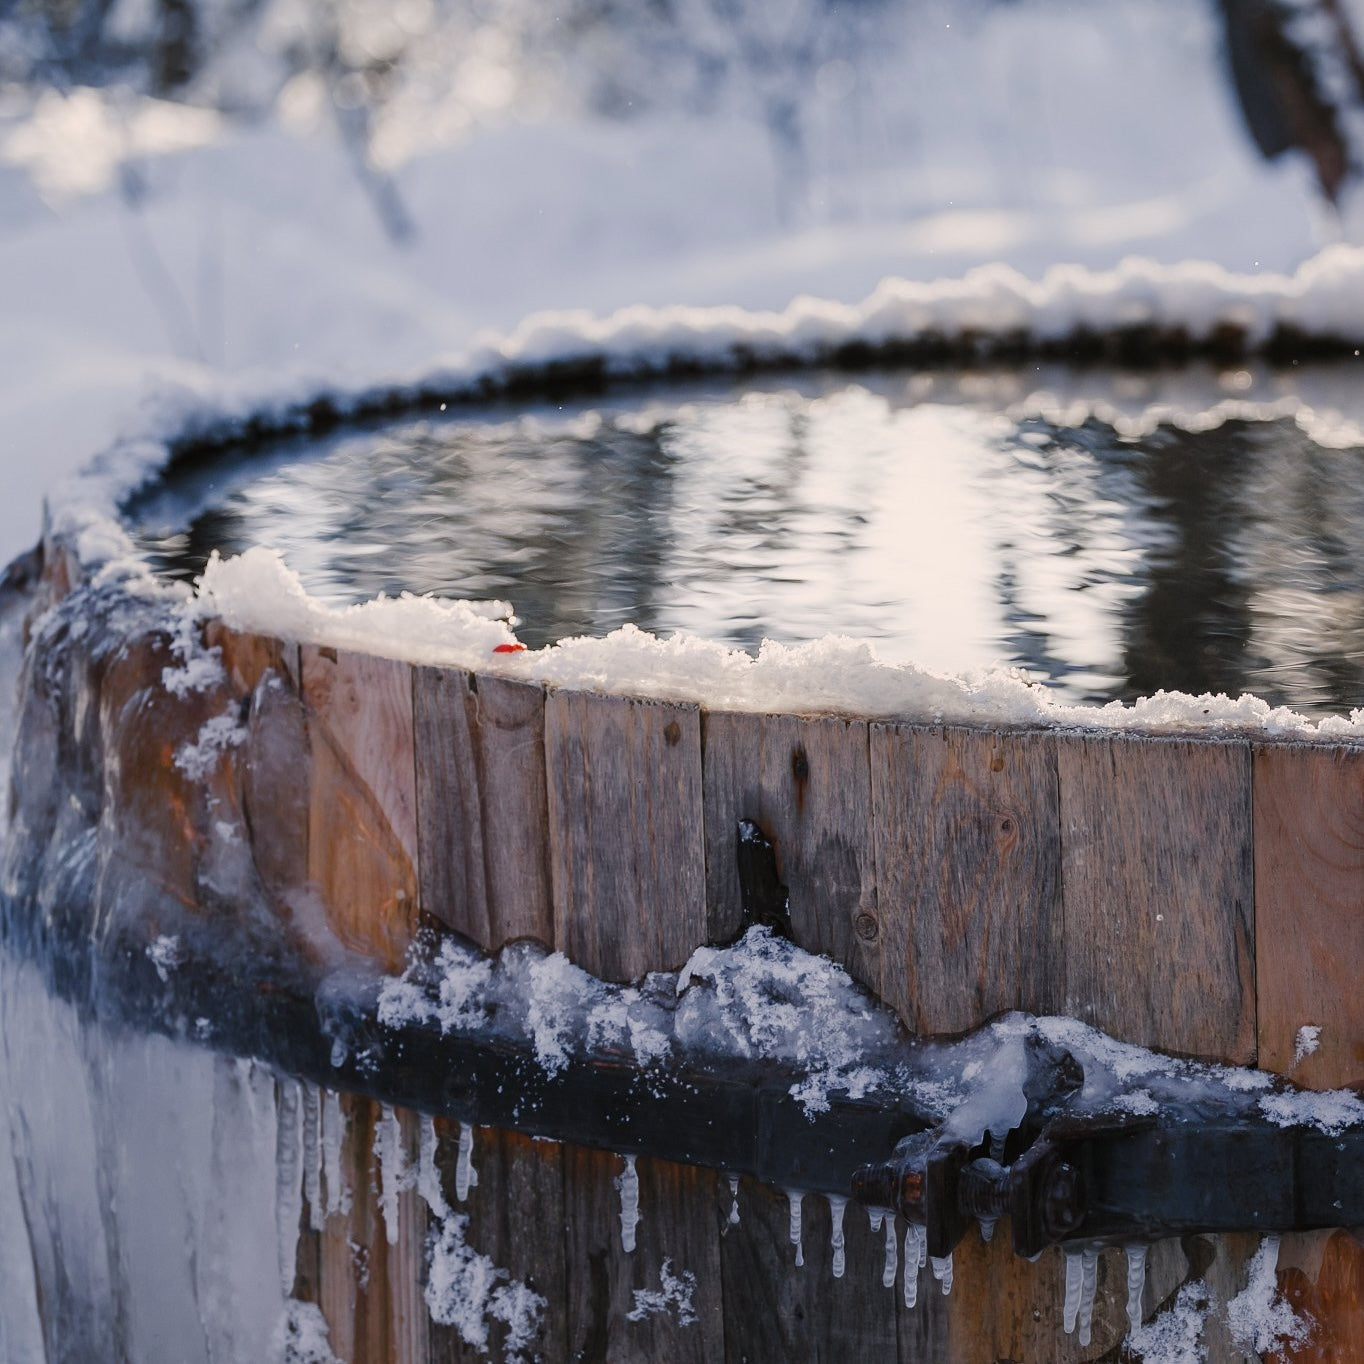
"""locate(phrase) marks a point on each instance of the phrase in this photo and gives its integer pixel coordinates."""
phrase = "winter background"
(195, 192)
(347, 190)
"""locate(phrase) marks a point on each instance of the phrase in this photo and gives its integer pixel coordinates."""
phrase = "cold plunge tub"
(1182, 875)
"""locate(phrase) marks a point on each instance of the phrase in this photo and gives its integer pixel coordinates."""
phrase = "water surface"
(944, 524)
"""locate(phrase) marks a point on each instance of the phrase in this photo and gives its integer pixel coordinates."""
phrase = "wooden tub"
(1197, 895)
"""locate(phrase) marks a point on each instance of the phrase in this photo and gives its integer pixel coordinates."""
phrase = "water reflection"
(946, 530)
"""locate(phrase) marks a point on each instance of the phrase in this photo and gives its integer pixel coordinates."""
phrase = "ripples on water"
(940, 528)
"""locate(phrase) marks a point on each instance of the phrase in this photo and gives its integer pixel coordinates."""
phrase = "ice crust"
(767, 1000)
(256, 591)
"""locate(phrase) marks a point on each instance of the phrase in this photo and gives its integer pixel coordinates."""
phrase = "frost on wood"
(301, 1337)
(1175, 1336)
(1308, 1039)
(673, 1296)
(216, 735)
(466, 1290)
(1259, 1319)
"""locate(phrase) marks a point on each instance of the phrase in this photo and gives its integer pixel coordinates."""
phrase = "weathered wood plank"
(1330, 1296)
(273, 763)
(354, 1249)
(482, 816)
(1156, 884)
(775, 1309)
(624, 782)
(805, 783)
(405, 1262)
(362, 827)
(968, 868)
(515, 1211)
(680, 1211)
(1309, 909)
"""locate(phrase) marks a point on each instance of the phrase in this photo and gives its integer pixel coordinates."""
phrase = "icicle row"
(1074, 1272)
(288, 1185)
(1088, 1281)
(892, 1246)
(428, 1172)
(837, 1206)
(333, 1122)
(388, 1145)
(312, 1157)
(942, 1271)
(793, 1199)
(628, 1184)
(1136, 1284)
(465, 1174)
(916, 1245)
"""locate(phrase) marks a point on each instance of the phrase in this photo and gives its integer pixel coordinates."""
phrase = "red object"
(508, 648)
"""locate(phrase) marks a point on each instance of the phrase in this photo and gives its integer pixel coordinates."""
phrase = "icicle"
(997, 1147)
(987, 1229)
(312, 1157)
(1136, 1282)
(428, 1172)
(388, 1146)
(923, 1246)
(333, 1135)
(1089, 1278)
(793, 1199)
(465, 1174)
(1072, 1303)
(836, 1209)
(892, 1246)
(942, 1271)
(876, 1217)
(915, 1237)
(288, 1186)
(628, 1184)
(734, 1200)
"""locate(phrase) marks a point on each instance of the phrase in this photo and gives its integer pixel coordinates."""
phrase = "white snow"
(1308, 1039)
(301, 1336)
(1175, 1336)
(216, 735)
(1330, 1111)
(164, 952)
(1259, 1319)
(466, 1290)
(674, 1296)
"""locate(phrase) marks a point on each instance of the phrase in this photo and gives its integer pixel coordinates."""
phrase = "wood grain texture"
(516, 1218)
(805, 783)
(626, 859)
(1309, 909)
(776, 1311)
(406, 1261)
(482, 816)
(968, 868)
(680, 1212)
(1156, 885)
(354, 1251)
(273, 764)
(1329, 1295)
(362, 825)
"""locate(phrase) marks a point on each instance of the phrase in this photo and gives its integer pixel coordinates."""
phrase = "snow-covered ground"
(140, 244)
